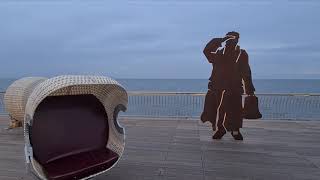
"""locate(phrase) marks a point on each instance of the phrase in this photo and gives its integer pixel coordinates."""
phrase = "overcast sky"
(156, 38)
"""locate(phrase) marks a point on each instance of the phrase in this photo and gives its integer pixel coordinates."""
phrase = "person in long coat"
(230, 78)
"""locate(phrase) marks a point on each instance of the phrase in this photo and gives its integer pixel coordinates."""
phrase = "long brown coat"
(231, 74)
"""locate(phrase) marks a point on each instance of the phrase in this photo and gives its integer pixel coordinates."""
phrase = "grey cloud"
(143, 39)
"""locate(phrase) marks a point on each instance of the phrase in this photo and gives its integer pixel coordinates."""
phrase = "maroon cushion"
(80, 165)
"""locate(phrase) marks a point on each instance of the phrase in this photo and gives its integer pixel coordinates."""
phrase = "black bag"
(251, 108)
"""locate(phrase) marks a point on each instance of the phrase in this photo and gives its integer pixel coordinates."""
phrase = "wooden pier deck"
(183, 149)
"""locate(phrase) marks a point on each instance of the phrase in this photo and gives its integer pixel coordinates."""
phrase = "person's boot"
(237, 135)
(219, 134)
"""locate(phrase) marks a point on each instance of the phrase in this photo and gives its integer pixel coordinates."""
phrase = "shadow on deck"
(182, 149)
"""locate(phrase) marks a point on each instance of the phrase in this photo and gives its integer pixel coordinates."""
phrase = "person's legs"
(221, 116)
(234, 119)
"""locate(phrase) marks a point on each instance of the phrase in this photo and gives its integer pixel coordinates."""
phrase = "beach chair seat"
(80, 165)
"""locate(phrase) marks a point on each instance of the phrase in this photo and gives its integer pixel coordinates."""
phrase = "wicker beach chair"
(16, 97)
(71, 128)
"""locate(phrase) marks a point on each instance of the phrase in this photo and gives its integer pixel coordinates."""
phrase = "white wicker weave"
(108, 91)
(16, 96)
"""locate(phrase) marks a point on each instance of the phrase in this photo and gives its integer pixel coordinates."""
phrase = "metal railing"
(190, 105)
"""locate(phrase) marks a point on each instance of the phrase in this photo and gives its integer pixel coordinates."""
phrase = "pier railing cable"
(277, 106)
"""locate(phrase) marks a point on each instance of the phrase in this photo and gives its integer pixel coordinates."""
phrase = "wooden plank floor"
(182, 149)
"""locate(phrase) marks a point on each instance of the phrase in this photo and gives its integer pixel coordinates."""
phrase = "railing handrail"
(168, 93)
(204, 93)
(293, 106)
